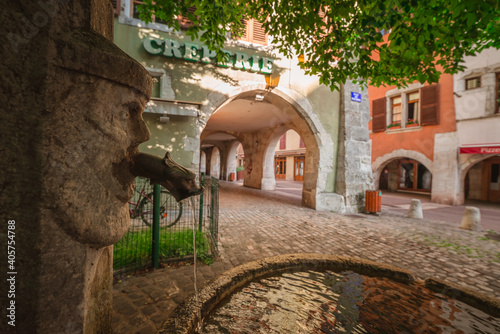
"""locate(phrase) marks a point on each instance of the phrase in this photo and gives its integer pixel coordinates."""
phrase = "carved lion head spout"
(179, 181)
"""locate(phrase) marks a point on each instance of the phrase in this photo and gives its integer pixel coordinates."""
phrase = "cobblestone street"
(254, 225)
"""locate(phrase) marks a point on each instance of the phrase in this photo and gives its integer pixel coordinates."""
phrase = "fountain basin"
(190, 314)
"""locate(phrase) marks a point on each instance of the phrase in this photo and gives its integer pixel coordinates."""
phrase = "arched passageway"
(481, 178)
(258, 119)
(404, 174)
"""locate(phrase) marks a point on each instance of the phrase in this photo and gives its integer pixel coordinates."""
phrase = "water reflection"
(328, 302)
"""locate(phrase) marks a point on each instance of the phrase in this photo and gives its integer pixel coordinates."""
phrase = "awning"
(480, 149)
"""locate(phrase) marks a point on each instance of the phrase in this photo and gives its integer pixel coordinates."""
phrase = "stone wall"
(354, 173)
(445, 173)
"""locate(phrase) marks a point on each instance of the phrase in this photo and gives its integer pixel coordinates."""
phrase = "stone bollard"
(471, 219)
(415, 210)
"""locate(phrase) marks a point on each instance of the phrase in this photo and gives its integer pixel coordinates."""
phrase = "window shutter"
(378, 115)
(245, 35)
(283, 142)
(430, 105)
(254, 32)
(184, 22)
(259, 34)
(301, 143)
(116, 6)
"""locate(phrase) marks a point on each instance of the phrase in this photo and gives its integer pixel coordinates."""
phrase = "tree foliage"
(343, 39)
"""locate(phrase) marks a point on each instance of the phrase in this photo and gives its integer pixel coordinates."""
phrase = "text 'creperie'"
(201, 53)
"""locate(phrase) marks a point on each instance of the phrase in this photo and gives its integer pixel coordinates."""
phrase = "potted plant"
(394, 125)
(411, 123)
(240, 173)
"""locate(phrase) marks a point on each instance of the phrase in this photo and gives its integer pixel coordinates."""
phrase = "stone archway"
(465, 167)
(301, 117)
(379, 164)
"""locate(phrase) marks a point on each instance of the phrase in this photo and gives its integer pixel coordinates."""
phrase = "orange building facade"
(420, 134)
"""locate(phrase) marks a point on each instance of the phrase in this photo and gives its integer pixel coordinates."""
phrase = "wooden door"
(280, 168)
(298, 168)
(491, 172)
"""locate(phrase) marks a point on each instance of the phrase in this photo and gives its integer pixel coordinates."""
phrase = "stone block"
(471, 219)
(415, 210)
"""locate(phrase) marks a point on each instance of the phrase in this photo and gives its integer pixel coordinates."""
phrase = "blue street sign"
(356, 97)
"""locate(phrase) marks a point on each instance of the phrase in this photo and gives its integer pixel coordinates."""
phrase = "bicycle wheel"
(170, 209)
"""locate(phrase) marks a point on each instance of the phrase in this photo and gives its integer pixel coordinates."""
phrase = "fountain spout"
(179, 181)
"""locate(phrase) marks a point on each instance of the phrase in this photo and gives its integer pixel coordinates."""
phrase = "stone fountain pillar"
(72, 107)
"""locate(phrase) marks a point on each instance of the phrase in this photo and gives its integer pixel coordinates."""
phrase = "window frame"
(400, 105)
(416, 111)
(473, 79)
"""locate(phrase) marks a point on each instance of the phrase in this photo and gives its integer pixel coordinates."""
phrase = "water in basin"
(346, 302)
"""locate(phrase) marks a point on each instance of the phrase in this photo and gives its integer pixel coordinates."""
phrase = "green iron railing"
(161, 229)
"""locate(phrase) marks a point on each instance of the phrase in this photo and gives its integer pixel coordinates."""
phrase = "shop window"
(414, 176)
(280, 164)
(473, 83)
(254, 32)
(298, 171)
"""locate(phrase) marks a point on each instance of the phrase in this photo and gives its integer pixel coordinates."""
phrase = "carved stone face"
(90, 137)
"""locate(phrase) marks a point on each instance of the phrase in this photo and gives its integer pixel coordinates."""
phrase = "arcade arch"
(258, 125)
(480, 178)
(403, 170)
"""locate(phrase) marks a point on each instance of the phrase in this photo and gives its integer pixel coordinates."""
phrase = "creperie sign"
(200, 53)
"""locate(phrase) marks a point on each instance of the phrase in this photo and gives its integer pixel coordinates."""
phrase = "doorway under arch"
(405, 174)
(481, 179)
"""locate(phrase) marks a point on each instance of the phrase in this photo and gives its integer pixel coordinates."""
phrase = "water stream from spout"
(191, 199)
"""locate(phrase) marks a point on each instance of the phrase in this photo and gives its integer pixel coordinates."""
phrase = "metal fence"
(171, 238)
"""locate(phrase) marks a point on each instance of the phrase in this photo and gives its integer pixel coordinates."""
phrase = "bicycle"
(143, 208)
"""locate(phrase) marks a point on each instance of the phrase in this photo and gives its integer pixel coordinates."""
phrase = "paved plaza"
(255, 224)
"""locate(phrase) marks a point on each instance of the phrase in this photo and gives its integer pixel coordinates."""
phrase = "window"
(156, 92)
(416, 108)
(473, 83)
(254, 32)
(396, 110)
(413, 99)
